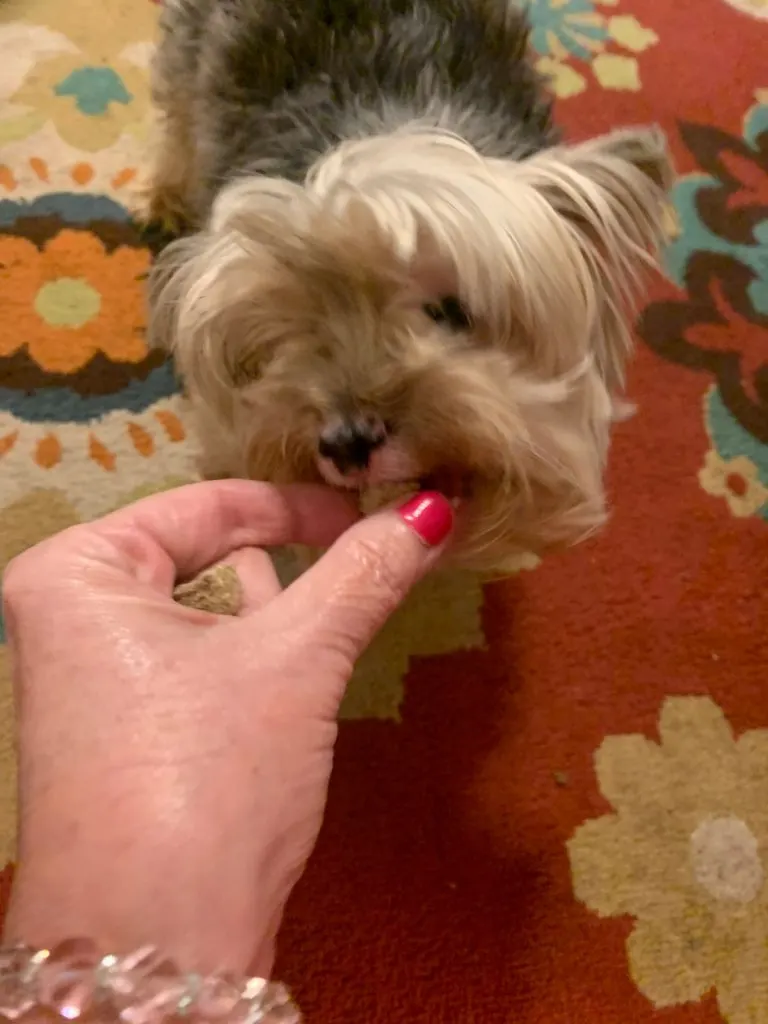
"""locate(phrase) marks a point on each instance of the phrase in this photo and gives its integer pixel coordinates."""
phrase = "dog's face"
(416, 313)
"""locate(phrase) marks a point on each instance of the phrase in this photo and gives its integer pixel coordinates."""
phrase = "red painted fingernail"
(430, 515)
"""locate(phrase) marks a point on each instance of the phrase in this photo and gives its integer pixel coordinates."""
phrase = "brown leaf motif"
(720, 258)
(717, 331)
(737, 200)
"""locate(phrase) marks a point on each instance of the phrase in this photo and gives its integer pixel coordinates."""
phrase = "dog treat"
(216, 590)
(373, 499)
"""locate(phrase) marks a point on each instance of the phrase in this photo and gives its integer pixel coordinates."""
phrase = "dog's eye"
(245, 371)
(449, 311)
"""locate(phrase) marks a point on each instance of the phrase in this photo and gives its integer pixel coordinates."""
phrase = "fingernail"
(428, 514)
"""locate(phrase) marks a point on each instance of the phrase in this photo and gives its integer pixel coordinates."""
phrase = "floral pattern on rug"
(84, 78)
(90, 105)
(579, 39)
(72, 277)
(442, 615)
(736, 466)
(72, 300)
(720, 326)
(685, 858)
(83, 403)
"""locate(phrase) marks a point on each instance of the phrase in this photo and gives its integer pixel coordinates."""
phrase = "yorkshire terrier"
(394, 272)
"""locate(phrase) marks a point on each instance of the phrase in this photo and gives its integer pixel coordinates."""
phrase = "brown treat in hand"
(216, 590)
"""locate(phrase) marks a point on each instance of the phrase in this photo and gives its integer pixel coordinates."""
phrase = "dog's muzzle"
(348, 442)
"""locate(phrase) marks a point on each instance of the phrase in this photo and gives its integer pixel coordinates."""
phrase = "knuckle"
(236, 515)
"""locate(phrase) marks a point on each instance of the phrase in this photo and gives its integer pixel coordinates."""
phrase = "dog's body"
(395, 271)
(269, 87)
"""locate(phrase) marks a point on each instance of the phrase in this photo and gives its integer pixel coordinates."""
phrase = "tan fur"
(297, 300)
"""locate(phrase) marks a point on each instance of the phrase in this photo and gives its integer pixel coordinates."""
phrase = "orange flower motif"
(72, 300)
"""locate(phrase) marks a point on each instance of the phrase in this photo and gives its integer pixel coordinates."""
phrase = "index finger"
(175, 535)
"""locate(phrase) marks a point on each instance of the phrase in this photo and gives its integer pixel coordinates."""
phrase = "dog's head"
(415, 312)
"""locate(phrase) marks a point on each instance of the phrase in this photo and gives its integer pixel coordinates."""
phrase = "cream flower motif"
(91, 90)
(685, 855)
(756, 8)
(737, 480)
(565, 32)
(119, 22)
(564, 80)
(90, 102)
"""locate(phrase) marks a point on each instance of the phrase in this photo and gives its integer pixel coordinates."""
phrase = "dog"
(393, 272)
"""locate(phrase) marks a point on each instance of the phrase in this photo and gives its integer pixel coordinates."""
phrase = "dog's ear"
(643, 148)
(631, 167)
(612, 191)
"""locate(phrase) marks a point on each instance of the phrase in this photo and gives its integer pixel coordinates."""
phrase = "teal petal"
(546, 19)
(756, 123)
(696, 237)
(93, 89)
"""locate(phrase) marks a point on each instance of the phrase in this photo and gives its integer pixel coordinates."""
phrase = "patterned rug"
(551, 797)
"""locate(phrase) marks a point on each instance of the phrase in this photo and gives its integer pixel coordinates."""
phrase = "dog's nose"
(349, 441)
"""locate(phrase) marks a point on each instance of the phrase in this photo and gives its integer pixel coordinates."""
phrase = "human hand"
(174, 764)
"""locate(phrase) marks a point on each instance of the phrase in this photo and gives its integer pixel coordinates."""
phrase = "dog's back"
(275, 83)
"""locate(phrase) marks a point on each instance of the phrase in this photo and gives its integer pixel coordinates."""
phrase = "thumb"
(340, 603)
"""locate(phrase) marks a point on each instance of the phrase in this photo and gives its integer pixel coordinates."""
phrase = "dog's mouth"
(392, 475)
(452, 482)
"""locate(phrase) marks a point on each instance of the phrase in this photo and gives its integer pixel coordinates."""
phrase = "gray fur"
(268, 86)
